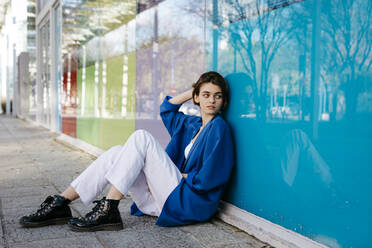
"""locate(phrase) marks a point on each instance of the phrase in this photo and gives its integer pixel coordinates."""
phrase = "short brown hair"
(216, 79)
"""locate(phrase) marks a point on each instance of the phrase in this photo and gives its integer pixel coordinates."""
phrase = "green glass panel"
(115, 126)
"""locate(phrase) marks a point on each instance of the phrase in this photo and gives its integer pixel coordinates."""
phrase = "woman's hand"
(184, 175)
(181, 98)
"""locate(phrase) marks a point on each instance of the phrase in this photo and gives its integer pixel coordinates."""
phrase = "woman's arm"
(181, 98)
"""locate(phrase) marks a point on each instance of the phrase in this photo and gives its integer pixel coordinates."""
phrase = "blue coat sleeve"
(218, 160)
(170, 115)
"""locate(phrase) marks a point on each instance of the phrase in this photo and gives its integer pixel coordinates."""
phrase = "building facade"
(300, 77)
(17, 35)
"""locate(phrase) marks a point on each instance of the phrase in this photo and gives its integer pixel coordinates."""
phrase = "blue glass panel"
(300, 78)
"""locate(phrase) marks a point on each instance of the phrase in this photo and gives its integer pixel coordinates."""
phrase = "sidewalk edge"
(80, 144)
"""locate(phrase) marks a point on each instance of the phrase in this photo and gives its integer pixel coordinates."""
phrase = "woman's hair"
(216, 79)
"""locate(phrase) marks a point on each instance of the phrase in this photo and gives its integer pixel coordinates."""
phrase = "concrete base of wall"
(258, 227)
(263, 229)
(80, 144)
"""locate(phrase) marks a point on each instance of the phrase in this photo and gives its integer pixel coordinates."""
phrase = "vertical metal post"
(104, 86)
(15, 82)
(155, 75)
(215, 35)
(205, 36)
(172, 65)
(124, 90)
(83, 81)
(235, 54)
(54, 120)
(96, 84)
(7, 77)
(56, 37)
(1, 81)
(38, 99)
(315, 68)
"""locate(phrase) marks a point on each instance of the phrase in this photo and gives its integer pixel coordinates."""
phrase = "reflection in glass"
(170, 43)
(57, 68)
(31, 49)
(45, 92)
(83, 81)
(254, 36)
(101, 40)
(347, 64)
(124, 91)
(300, 78)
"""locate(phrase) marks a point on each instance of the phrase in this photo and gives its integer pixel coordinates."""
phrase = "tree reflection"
(256, 37)
(169, 53)
(347, 30)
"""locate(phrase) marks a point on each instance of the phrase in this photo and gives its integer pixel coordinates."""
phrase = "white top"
(188, 148)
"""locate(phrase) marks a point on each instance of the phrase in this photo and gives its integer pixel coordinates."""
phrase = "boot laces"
(97, 210)
(44, 207)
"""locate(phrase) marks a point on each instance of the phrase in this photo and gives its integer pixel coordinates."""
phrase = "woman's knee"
(141, 133)
(115, 148)
(142, 136)
(112, 153)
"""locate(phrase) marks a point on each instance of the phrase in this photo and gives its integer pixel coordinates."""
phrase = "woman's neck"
(206, 119)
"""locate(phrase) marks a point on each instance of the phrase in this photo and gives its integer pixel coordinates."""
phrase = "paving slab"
(77, 242)
(35, 180)
(20, 161)
(27, 191)
(159, 237)
(33, 165)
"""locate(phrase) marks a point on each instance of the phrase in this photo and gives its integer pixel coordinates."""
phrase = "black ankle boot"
(104, 216)
(54, 210)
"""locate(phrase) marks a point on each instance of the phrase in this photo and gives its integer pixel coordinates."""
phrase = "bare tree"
(347, 28)
(258, 34)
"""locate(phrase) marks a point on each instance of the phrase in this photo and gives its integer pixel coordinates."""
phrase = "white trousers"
(141, 167)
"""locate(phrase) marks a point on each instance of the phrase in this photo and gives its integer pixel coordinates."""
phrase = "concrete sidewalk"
(33, 165)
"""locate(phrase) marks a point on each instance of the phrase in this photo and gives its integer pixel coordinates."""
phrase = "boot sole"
(104, 227)
(58, 221)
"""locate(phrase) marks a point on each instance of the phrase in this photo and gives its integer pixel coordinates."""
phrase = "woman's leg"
(148, 173)
(126, 169)
(91, 182)
(70, 194)
(55, 209)
(114, 194)
(122, 166)
(141, 166)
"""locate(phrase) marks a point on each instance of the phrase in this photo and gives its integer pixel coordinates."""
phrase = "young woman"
(180, 185)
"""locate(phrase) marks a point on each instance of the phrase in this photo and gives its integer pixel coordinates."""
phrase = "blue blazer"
(208, 166)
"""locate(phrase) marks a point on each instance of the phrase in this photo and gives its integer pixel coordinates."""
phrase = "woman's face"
(210, 99)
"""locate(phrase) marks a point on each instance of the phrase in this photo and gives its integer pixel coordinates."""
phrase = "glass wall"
(99, 71)
(45, 80)
(170, 57)
(26, 66)
(31, 49)
(57, 70)
(300, 78)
